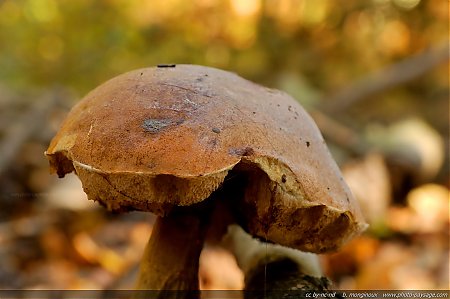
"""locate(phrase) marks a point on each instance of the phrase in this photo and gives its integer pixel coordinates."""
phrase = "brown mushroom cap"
(155, 138)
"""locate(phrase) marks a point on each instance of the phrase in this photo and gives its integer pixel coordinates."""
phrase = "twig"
(394, 75)
(339, 134)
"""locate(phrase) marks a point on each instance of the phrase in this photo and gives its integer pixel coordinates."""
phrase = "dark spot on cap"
(246, 151)
(328, 188)
(254, 112)
(142, 74)
(155, 125)
(216, 130)
(166, 65)
(199, 79)
(283, 178)
(308, 143)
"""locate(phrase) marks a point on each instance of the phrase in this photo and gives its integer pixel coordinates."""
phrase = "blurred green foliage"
(82, 43)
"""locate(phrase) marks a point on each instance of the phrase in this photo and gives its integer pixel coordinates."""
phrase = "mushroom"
(273, 267)
(173, 140)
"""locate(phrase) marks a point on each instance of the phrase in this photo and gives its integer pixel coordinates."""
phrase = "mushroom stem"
(273, 267)
(171, 257)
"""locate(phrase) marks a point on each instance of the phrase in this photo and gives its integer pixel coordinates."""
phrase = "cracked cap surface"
(154, 138)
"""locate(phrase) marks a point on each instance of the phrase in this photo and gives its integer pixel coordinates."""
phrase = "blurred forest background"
(374, 75)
